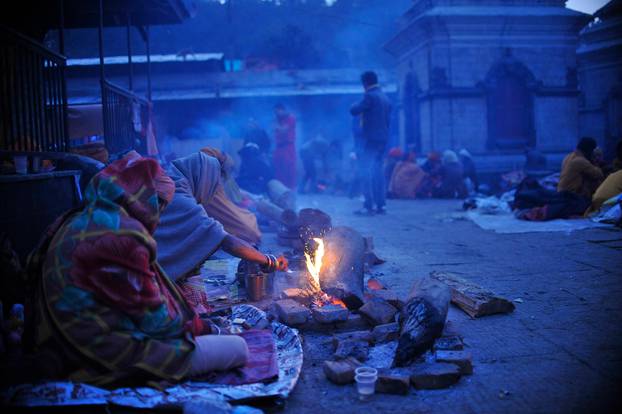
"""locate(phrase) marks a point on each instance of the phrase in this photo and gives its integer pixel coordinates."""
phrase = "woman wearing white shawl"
(186, 235)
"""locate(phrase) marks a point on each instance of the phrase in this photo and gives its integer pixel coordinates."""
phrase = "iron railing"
(33, 97)
(125, 118)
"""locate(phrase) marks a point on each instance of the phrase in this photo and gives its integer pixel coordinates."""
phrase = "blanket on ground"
(508, 223)
(289, 358)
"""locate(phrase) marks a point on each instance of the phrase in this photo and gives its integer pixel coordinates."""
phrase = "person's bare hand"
(273, 264)
(282, 264)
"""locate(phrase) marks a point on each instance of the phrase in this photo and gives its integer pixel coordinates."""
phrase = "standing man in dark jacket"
(375, 112)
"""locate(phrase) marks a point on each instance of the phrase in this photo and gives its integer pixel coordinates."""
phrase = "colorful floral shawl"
(102, 298)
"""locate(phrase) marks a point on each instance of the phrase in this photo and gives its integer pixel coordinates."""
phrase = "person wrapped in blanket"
(236, 220)
(106, 312)
(277, 203)
(187, 235)
(241, 221)
(578, 181)
(611, 187)
(452, 180)
(432, 167)
(406, 178)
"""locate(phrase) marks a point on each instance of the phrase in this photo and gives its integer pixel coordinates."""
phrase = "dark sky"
(349, 33)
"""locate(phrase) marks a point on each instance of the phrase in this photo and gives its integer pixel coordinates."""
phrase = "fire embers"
(325, 299)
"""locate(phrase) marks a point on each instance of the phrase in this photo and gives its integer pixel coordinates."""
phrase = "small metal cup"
(256, 286)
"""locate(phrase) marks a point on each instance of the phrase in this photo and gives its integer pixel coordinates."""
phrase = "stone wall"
(451, 48)
(600, 78)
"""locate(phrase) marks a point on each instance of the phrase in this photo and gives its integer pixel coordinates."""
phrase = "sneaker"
(364, 212)
(381, 211)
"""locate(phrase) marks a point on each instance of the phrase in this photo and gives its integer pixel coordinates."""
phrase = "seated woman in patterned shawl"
(106, 314)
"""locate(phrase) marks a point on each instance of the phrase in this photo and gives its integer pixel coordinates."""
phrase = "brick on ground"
(341, 372)
(330, 314)
(297, 294)
(389, 296)
(354, 335)
(354, 322)
(393, 382)
(387, 332)
(434, 375)
(462, 359)
(449, 343)
(291, 312)
(352, 348)
(378, 311)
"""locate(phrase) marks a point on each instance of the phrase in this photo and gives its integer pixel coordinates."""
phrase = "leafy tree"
(291, 48)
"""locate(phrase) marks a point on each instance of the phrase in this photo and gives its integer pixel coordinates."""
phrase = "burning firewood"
(342, 271)
(314, 262)
(314, 265)
(423, 319)
(333, 276)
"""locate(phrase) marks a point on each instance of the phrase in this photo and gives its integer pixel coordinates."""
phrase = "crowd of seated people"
(586, 181)
(446, 175)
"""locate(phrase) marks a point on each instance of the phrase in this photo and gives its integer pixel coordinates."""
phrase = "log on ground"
(423, 319)
(342, 270)
(313, 223)
(475, 300)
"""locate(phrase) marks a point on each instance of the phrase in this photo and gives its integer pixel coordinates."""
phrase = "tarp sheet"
(507, 223)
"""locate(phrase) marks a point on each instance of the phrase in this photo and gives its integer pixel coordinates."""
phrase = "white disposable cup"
(366, 371)
(21, 164)
(365, 378)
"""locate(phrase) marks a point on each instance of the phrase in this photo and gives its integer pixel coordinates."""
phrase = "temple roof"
(489, 8)
(604, 34)
(32, 16)
(611, 9)
(413, 22)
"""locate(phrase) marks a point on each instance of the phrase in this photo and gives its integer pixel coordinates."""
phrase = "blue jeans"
(373, 176)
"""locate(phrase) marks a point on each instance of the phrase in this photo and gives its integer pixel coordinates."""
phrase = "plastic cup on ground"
(365, 378)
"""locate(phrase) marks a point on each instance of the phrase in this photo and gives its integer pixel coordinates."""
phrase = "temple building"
(491, 76)
(600, 77)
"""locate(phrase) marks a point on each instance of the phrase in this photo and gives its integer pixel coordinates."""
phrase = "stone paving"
(560, 351)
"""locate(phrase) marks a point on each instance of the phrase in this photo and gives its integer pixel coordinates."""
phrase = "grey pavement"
(559, 352)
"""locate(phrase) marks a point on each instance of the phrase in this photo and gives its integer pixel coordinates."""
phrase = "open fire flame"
(314, 266)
